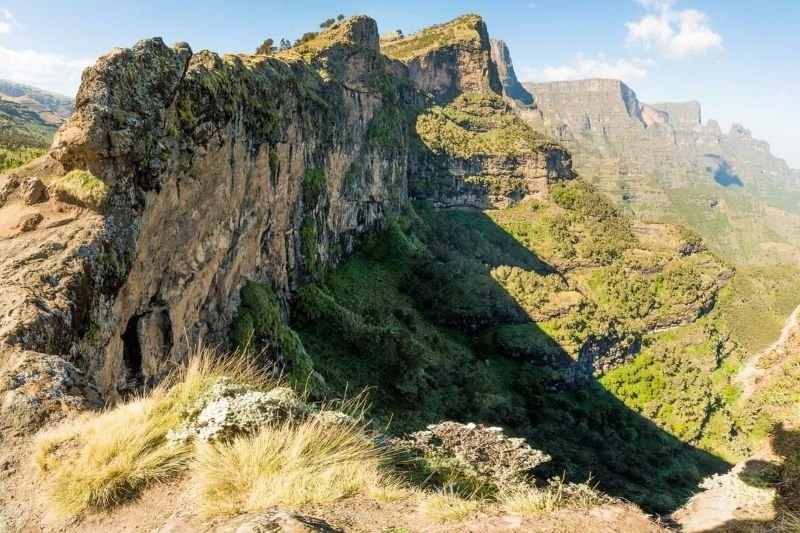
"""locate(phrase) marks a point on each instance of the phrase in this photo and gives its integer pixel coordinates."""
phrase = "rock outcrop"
(219, 170)
(448, 59)
(512, 88)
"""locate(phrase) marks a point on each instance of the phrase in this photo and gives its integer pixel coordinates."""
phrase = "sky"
(738, 58)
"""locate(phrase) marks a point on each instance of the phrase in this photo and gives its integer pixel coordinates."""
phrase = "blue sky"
(739, 59)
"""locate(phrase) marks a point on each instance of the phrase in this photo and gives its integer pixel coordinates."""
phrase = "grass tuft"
(448, 506)
(293, 465)
(99, 460)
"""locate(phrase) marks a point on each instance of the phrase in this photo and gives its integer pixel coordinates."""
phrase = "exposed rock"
(9, 186)
(512, 88)
(271, 522)
(30, 222)
(32, 191)
(448, 59)
(36, 387)
(235, 140)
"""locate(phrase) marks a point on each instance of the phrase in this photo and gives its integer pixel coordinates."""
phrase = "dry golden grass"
(99, 460)
(449, 506)
(293, 464)
(529, 501)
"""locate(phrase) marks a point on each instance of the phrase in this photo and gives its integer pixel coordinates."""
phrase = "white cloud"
(48, 71)
(8, 22)
(583, 67)
(676, 34)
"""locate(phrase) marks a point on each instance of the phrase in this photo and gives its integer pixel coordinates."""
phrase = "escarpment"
(475, 151)
(181, 176)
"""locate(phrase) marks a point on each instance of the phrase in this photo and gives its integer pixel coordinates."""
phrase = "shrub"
(471, 459)
(82, 188)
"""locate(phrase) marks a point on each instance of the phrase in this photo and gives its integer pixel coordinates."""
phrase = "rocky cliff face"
(512, 88)
(181, 176)
(475, 152)
(448, 59)
(218, 170)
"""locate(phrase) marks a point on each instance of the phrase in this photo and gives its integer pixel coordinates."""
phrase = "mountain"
(665, 164)
(357, 214)
(29, 118)
(52, 108)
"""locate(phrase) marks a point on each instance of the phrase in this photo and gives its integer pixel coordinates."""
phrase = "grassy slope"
(418, 315)
(23, 135)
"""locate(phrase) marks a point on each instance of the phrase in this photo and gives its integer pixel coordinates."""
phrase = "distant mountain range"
(664, 163)
(29, 116)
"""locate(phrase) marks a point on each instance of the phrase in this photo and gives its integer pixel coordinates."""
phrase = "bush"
(471, 459)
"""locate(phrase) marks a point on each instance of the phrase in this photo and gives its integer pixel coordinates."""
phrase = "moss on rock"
(82, 188)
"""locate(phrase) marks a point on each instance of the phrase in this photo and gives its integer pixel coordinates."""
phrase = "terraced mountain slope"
(665, 164)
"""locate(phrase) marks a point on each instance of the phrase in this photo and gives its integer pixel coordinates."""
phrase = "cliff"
(252, 168)
(665, 164)
(448, 59)
(475, 152)
(512, 88)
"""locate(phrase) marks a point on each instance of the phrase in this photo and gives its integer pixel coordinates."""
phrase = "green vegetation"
(24, 135)
(459, 30)
(15, 158)
(478, 124)
(421, 313)
(259, 329)
(82, 188)
(314, 184)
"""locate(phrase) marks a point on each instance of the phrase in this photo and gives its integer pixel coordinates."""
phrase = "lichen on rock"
(228, 409)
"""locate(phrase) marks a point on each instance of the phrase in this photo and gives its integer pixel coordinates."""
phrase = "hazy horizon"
(736, 62)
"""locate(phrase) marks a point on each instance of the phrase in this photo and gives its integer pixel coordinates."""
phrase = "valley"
(376, 283)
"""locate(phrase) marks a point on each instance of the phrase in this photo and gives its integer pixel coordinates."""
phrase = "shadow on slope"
(723, 173)
(417, 316)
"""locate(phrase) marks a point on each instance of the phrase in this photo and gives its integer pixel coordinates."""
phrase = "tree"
(327, 24)
(339, 17)
(285, 44)
(266, 48)
(306, 37)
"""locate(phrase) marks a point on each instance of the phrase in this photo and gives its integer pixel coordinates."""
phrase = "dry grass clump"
(529, 500)
(98, 460)
(449, 506)
(293, 464)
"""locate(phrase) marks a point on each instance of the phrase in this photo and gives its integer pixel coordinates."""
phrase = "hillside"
(665, 164)
(29, 118)
(423, 318)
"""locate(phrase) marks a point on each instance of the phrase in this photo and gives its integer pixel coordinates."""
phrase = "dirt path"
(726, 500)
(750, 372)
